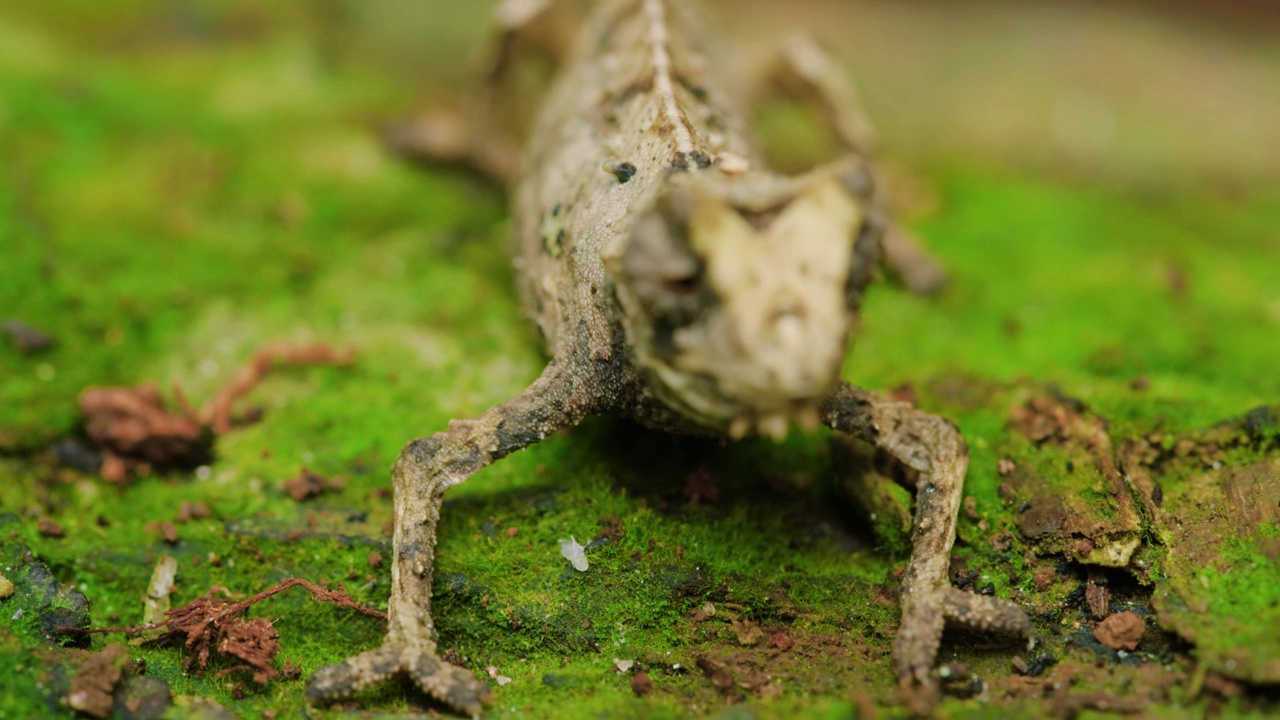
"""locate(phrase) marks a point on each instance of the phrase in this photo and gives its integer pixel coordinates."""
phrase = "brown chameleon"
(677, 281)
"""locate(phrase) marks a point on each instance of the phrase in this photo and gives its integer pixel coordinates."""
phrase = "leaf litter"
(136, 432)
(212, 626)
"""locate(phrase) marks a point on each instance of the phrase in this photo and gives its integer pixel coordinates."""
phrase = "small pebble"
(49, 527)
(1121, 631)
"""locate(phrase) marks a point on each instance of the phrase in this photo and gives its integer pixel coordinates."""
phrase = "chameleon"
(675, 280)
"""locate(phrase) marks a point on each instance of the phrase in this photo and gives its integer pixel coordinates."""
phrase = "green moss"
(180, 189)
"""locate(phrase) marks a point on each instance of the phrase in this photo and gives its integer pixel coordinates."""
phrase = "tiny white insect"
(574, 553)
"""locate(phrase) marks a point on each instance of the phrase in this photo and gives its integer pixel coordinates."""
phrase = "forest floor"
(185, 184)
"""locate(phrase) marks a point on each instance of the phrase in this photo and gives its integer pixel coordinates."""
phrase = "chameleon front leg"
(425, 469)
(806, 72)
(932, 446)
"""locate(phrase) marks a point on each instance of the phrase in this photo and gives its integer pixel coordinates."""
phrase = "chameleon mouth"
(775, 425)
(705, 400)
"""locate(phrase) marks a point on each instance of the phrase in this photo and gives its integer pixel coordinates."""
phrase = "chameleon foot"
(458, 688)
(915, 647)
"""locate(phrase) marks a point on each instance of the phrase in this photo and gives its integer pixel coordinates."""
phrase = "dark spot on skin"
(517, 432)
(691, 160)
(698, 92)
(410, 551)
(624, 171)
(423, 449)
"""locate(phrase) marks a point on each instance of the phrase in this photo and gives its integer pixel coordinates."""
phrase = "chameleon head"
(738, 291)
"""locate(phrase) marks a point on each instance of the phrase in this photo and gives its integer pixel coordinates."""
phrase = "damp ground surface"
(185, 183)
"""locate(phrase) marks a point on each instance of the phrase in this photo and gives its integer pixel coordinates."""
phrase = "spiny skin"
(636, 128)
(677, 282)
(611, 103)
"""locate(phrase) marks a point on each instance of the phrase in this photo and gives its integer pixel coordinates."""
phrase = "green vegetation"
(181, 184)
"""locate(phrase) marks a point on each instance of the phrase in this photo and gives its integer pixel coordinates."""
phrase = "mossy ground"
(183, 182)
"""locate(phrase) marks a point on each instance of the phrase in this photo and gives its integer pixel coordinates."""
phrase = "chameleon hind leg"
(480, 133)
(933, 447)
(805, 71)
(425, 469)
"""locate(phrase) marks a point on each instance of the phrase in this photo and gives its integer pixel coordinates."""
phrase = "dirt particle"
(768, 690)
(1223, 686)
(1121, 631)
(748, 632)
(169, 533)
(306, 485)
(93, 685)
(719, 675)
(1096, 596)
(1043, 578)
(699, 485)
(1005, 467)
(612, 532)
(905, 393)
(512, 531)
(1083, 547)
(6, 587)
(781, 640)
(497, 676)
(700, 614)
(25, 338)
(188, 511)
(375, 559)
(641, 683)
(140, 697)
(48, 527)
(1002, 541)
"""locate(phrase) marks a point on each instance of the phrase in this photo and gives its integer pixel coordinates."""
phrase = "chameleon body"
(677, 281)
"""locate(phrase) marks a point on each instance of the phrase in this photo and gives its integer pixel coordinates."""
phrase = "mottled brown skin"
(676, 282)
